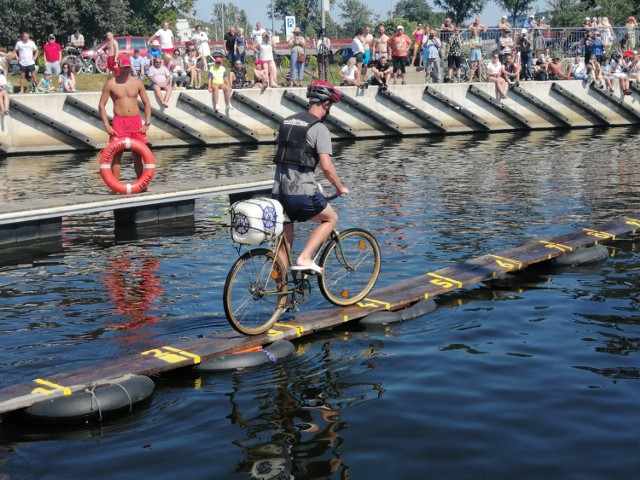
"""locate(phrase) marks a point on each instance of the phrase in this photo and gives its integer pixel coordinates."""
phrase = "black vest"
(292, 141)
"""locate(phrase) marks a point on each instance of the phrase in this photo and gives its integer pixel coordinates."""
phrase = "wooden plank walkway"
(76, 204)
(186, 353)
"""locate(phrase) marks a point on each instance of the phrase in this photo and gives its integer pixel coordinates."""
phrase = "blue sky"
(258, 10)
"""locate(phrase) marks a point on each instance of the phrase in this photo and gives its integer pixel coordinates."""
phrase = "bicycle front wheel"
(351, 264)
(255, 292)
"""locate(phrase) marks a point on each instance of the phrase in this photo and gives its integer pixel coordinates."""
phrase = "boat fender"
(106, 158)
(581, 256)
(243, 359)
(421, 307)
(90, 405)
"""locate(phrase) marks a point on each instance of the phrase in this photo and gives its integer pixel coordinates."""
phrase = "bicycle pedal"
(290, 308)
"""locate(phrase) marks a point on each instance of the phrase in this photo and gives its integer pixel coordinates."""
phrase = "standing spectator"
(27, 54)
(357, 46)
(165, 35)
(630, 29)
(538, 34)
(52, 56)
(504, 23)
(445, 33)
(526, 54)
(265, 50)
(597, 48)
(350, 73)
(505, 44)
(256, 35)
(194, 72)
(260, 75)
(455, 55)
(219, 80)
(381, 44)
(367, 42)
(417, 34)
(139, 64)
(297, 45)
(241, 45)
(494, 73)
(475, 54)
(124, 91)
(179, 73)
(529, 22)
(325, 55)
(431, 56)
(399, 44)
(4, 95)
(76, 42)
(111, 49)
(607, 33)
(160, 81)
(230, 41)
(201, 41)
(382, 71)
(67, 79)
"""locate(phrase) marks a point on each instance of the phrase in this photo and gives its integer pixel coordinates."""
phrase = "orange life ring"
(106, 157)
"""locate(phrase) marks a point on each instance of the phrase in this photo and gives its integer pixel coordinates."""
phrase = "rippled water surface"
(532, 375)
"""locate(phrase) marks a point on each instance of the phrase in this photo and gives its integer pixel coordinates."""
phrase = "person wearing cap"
(124, 91)
(260, 75)
(66, 79)
(154, 52)
(165, 35)
(139, 64)
(586, 23)
(431, 46)
(529, 22)
(111, 49)
(4, 95)
(219, 80)
(630, 28)
(52, 56)
(46, 83)
(160, 81)
(297, 58)
(399, 44)
(505, 44)
(304, 142)
(526, 54)
(27, 53)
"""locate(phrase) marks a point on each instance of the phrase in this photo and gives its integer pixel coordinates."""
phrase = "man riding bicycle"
(304, 142)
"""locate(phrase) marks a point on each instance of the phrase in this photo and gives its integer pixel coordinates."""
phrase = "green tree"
(355, 14)
(515, 7)
(227, 15)
(148, 15)
(413, 10)
(305, 11)
(461, 10)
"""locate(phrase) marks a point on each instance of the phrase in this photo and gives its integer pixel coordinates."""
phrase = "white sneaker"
(230, 107)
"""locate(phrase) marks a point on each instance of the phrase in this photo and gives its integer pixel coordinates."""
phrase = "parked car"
(342, 55)
(126, 45)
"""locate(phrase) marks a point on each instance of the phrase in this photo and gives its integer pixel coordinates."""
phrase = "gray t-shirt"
(293, 179)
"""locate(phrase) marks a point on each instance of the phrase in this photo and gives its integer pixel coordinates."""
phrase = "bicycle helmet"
(321, 91)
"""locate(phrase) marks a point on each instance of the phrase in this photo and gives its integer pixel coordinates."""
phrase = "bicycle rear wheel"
(350, 271)
(101, 63)
(73, 62)
(255, 291)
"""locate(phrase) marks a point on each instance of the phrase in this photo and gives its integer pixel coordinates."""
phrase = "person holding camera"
(431, 57)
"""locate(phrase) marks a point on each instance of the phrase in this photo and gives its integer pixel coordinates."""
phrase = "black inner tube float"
(421, 307)
(581, 256)
(237, 361)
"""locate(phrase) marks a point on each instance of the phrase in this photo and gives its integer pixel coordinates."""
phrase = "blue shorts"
(300, 208)
(476, 55)
(367, 57)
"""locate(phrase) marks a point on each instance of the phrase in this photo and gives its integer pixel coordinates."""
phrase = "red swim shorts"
(128, 127)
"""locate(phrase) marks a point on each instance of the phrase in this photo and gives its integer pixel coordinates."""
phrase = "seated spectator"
(139, 65)
(350, 74)
(160, 81)
(633, 68)
(67, 79)
(192, 68)
(382, 71)
(511, 70)
(618, 74)
(494, 74)
(544, 59)
(238, 75)
(219, 80)
(260, 75)
(178, 71)
(554, 69)
(4, 95)
(577, 69)
(594, 73)
(154, 52)
(46, 83)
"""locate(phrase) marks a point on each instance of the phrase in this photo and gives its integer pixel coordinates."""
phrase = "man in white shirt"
(27, 53)
(165, 35)
(76, 42)
(256, 34)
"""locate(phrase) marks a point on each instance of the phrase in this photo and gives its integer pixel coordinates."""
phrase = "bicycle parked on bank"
(259, 287)
(77, 62)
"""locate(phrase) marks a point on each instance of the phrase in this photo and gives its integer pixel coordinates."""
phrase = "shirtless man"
(124, 89)
(380, 44)
(111, 49)
(368, 45)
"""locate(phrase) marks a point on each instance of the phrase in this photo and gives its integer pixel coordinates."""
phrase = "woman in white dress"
(201, 41)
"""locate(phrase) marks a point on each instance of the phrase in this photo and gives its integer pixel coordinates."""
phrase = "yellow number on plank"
(632, 221)
(172, 355)
(444, 281)
(507, 262)
(557, 246)
(373, 303)
(299, 329)
(54, 387)
(598, 234)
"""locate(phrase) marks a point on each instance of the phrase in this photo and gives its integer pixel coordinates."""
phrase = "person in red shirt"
(399, 44)
(52, 56)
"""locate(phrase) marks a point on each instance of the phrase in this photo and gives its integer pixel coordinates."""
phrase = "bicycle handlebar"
(330, 197)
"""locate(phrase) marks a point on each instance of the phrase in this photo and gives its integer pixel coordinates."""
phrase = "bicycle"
(257, 289)
(77, 63)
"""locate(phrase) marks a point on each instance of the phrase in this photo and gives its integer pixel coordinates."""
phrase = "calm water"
(531, 375)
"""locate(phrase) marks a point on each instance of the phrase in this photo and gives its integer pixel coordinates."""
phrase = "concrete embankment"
(67, 122)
